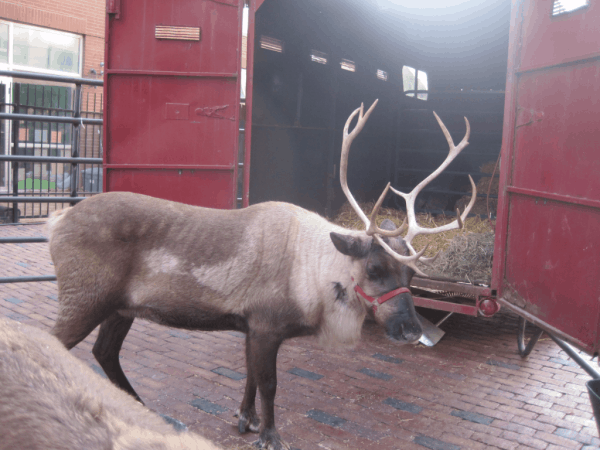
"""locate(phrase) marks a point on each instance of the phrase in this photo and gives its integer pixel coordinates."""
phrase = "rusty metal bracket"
(114, 7)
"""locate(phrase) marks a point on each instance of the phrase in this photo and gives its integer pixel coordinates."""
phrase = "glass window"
(566, 6)
(414, 80)
(348, 65)
(269, 43)
(46, 49)
(3, 43)
(408, 80)
(422, 84)
(382, 75)
(318, 57)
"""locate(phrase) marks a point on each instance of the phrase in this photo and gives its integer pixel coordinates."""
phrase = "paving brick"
(434, 444)
(463, 443)
(229, 373)
(206, 406)
(524, 440)
(376, 374)
(325, 418)
(179, 334)
(473, 417)
(534, 402)
(305, 374)
(388, 358)
(556, 440)
(403, 406)
(570, 434)
(495, 441)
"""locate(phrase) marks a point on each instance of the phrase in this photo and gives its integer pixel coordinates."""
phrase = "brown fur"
(49, 399)
(270, 270)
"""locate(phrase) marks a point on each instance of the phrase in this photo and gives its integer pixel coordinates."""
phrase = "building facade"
(56, 37)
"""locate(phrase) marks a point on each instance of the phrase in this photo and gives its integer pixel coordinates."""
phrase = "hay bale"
(468, 258)
(437, 242)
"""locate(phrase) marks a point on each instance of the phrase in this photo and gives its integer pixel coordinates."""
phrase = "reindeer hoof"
(271, 441)
(247, 422)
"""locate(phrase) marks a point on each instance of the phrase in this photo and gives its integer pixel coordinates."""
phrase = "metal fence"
(47, 131)
(50, 144)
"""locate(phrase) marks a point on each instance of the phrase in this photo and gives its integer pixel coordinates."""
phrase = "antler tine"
(465, 141)
(346, 142)
(373, 228)
(409, 261)
(413, 227)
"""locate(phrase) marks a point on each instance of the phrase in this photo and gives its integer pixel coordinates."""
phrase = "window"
(414, 80)
(318, 57)
(3, 43)
(567, 6)
(46, 49)
(382, 75)
(348, 65)
(269, 43)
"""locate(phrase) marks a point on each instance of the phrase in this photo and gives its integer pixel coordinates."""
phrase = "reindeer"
(273, 271)
(52, 400)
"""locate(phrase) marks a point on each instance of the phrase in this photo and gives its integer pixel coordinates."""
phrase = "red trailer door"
(547, 258)
(172, 99)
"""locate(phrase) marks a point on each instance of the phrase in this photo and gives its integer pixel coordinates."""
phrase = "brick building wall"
(85, 17)
(82, 17)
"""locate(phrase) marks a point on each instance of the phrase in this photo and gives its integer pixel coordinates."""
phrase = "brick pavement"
(471, 391)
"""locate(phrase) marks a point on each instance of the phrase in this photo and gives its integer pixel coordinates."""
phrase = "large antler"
(413, 227)
(372, 229)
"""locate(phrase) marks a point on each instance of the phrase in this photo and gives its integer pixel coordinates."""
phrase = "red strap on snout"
(380, 300)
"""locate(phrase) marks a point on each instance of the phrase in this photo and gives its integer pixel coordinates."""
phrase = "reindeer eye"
(373, 273)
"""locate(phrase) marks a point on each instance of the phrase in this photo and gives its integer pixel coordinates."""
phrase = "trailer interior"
(316, 61)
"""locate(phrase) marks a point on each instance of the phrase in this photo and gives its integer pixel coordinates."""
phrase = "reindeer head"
(388, 262)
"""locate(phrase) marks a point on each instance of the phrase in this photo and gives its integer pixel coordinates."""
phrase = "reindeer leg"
(262, 361)
(107, 347)
(73, 326)
(248, 419)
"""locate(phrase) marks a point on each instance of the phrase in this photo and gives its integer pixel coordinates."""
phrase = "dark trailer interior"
(315, 61)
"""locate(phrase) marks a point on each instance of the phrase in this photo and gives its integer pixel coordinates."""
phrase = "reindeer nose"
(404, 329)
(412, 331)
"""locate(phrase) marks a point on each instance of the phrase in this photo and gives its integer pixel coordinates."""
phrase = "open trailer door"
(172, 99)
(547, 257)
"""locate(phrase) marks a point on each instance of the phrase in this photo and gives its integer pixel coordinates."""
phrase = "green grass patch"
(36, 184)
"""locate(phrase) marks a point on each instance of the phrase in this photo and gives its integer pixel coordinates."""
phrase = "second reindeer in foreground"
(51, 400)
(272, 271)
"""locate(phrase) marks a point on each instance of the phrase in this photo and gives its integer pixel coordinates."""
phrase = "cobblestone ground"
(470, 391)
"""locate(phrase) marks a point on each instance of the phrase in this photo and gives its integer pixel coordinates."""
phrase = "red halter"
(380, 300)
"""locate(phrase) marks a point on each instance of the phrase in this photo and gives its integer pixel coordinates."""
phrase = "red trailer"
(172, 114)
(172, 102)
(547, 251)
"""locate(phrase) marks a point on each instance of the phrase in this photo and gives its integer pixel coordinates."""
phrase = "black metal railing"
(54, 130)
(46, 128)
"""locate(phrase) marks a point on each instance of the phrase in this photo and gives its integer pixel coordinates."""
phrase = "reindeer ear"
(388, 225)
(350, 245)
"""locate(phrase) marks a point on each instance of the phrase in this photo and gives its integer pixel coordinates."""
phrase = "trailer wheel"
(523, 349)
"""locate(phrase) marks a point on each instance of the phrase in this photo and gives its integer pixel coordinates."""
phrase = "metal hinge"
(113, 7)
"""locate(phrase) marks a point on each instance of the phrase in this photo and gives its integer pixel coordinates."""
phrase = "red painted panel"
(168, 120)
(547, 249)
(172, 99)
(553, 250)
(557, 133)
(194, 187)
(216, 51)
(548, 40)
